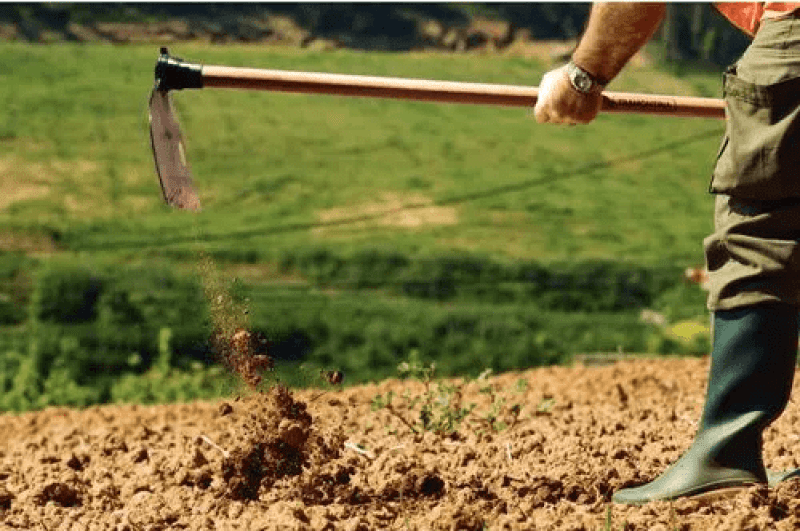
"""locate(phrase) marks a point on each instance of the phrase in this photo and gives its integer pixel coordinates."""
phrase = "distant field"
(355, 232)
(274, 169)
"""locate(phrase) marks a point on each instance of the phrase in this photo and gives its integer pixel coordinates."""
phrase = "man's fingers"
(545, 116)
(545, 110)
(541, 110)
(540, 114)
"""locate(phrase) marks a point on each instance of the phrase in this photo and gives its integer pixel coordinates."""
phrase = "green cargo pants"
(753, 255)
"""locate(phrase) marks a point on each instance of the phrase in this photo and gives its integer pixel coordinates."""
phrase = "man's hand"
(614, 33)
(558, 101)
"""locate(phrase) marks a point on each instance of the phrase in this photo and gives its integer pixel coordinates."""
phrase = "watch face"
(583, 82)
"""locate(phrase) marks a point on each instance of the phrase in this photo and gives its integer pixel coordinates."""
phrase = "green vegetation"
(357, 231)
(280, 171)
(439, 407)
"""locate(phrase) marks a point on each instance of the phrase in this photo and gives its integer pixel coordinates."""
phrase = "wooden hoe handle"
(173, 73)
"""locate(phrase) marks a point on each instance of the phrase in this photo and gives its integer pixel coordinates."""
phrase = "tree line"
(691, 31)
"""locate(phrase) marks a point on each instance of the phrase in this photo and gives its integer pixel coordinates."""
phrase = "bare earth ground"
(331, 461)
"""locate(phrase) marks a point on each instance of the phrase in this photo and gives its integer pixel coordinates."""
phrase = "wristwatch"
(583, 81)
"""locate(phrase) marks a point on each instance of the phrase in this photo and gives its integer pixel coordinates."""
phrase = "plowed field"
(541, 449)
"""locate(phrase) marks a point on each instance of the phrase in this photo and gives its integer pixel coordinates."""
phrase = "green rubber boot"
(749, 383)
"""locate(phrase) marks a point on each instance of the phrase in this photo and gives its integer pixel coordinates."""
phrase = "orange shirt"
(748, 15)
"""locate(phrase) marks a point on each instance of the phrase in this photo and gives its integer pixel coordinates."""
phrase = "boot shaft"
(752, 363)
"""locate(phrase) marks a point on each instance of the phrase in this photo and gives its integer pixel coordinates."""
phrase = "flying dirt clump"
(276, 440)
(274, 433)
(243, 353)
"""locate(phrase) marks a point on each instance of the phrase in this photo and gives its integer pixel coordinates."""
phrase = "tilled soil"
(542, 449)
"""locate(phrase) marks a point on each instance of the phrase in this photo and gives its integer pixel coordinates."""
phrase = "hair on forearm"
(614, 32)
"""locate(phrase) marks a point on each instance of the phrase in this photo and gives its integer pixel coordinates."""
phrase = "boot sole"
(709, 494)
(721, 494)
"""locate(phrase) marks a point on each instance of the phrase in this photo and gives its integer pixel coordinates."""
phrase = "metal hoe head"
(169, 153)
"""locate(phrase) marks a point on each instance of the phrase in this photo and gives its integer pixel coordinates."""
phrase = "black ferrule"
(173, 73)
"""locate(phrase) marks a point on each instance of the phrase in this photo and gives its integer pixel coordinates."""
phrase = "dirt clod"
(5, 499)
(60, 494)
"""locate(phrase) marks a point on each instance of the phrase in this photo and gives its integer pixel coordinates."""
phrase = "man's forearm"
(614, 33)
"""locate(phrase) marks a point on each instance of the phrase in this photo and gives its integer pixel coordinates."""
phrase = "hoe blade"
(169, 155)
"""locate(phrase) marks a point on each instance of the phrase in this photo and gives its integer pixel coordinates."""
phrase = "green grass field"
(285, 176)
(273, 169)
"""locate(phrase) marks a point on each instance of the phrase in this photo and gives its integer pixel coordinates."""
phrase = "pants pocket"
(760, 156)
